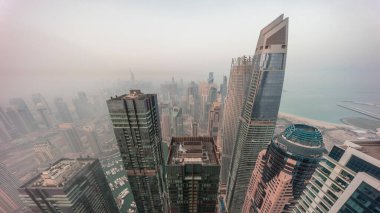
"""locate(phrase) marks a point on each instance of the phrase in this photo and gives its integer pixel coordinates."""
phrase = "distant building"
(214, 119)
(63, 111)
(192, 175)
(136, 124)
(21, 116)
(177, 122)
(71, 137)
(70, 185)
(223, 88)
(259, 115)
(44, 110)
(9, 200)
(82, 106)
(194, 127)
(7, 130)
(210, 79)
(44, 152)
(92, 139)
(166, 124)
(347, 180)
(283, 170)
(240, 75)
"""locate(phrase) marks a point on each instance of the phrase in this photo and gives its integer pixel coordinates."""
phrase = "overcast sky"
(51, 46)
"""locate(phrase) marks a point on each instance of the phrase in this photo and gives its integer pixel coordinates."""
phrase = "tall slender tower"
(21, 109)
(136, 123)
(283, 170)
(240, 75)
(258, 118)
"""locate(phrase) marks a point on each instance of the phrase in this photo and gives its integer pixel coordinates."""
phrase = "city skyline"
(170, 107)
(63, 57)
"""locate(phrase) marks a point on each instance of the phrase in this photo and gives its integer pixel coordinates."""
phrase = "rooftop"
(133, 94)
(59, 173)
(301, 140)
(369, 147)
(192, 150)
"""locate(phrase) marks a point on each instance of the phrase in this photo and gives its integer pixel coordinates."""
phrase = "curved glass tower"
(259, 114)
(283, 170)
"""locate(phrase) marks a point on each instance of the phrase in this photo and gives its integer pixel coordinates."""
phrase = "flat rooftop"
(369, 147)
(192, 150)
(133, 94)
(59, 173)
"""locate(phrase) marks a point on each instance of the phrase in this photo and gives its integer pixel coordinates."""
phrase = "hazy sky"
(52, 46)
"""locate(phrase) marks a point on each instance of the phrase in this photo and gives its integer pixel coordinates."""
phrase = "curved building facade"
(283, 169)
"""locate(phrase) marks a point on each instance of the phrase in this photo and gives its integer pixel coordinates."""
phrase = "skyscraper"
(82, 106)
(44, 110)
(177, 121)
(192, 175)
(24, 113)
(214, 118)
(210, 79)
(223, 88)
(136, 123)
(71, 137)
(347, 180)
(92, 139)
(7, 130)
(259, 115)
(44, 152)
(283, 170)
(70, 185)
(9, 200)
(240, 75)
(63, 111)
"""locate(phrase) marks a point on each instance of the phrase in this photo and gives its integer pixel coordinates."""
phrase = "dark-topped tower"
(136, 123)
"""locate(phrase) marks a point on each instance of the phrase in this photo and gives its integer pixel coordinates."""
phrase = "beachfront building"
(192, 175)
(136, 124)
(259, 115)
(348, 180)
(283, 170)
(70, 185)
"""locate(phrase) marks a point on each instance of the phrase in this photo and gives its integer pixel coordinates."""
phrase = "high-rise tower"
(283, 170)
(25, 120)
(258, 118)
(71, 136)
(240, 75)
(192, 175)
(136, 123)
(347, 180)
(63, 111)
(70, 185)
(177, 121)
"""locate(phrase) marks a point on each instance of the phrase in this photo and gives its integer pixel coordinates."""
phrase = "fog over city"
(65, 46)
(189, 106)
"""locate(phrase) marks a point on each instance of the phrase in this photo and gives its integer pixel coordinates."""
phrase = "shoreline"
(317, 123)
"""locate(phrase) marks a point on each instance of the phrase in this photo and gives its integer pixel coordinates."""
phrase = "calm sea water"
(316, 95)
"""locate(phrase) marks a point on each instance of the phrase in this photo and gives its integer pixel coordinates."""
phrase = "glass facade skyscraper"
(136, 124)
(259, 115)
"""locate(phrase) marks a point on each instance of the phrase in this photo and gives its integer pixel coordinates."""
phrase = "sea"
(316, 95)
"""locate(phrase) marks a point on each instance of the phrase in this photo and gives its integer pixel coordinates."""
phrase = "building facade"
(192, 175)
(70, 185)
(283, 169)
(136, 124)
(177, 122)
(71, 137)
(259, 115)
(92, 139)
(345, 174)
(63, 111)
(9, 200)
(240, 75)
